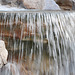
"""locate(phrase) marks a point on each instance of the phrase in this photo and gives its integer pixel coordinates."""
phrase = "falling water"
(39, 43)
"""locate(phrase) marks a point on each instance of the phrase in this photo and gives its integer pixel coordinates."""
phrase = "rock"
(50, 5)
(44, 4)
(12, 3)
(73, 5)
(4, 2)
(3, 54)
(66, 4)
(32, 4)
(1, 63)
(20, 4)
(41, 4)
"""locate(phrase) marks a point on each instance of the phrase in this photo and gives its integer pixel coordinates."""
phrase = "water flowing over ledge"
(34, 11)
(51, 46)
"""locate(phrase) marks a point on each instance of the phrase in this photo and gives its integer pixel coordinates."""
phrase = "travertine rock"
(50, 5)
(1, 63)
(64, 2)
(41, 4)
(33, 4)
(73, 5)
(3, 54)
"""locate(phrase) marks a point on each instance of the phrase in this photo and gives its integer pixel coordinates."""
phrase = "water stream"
(39, 43)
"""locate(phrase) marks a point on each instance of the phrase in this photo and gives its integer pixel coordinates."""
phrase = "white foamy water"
(52, 50)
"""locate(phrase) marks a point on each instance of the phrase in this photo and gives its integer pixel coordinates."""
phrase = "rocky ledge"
(31, 4)
(40, 4)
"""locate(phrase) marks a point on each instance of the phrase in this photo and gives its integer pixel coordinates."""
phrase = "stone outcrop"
(33, 4)
(50, 5)
(1, 63)
(41, 4)
(66, 4)
(73, 5)
(3, 54)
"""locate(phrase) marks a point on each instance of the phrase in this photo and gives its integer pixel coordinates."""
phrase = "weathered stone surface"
(41, 4)
(33, 4)
(3, 53)
(73, 5)
(7, 1)
(50, 5)
(17, 29)
(1, 63)
(66, 4)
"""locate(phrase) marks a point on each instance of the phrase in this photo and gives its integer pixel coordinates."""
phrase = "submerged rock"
(3, 54)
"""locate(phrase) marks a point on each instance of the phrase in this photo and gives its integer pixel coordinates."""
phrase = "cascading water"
(39, 43)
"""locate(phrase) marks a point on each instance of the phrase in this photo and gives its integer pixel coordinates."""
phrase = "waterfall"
(39, 43)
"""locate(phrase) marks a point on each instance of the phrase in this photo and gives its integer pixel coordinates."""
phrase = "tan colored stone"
(50, 5)
(41, 4)
(1, 63)
(33, 4)
(3, 53)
